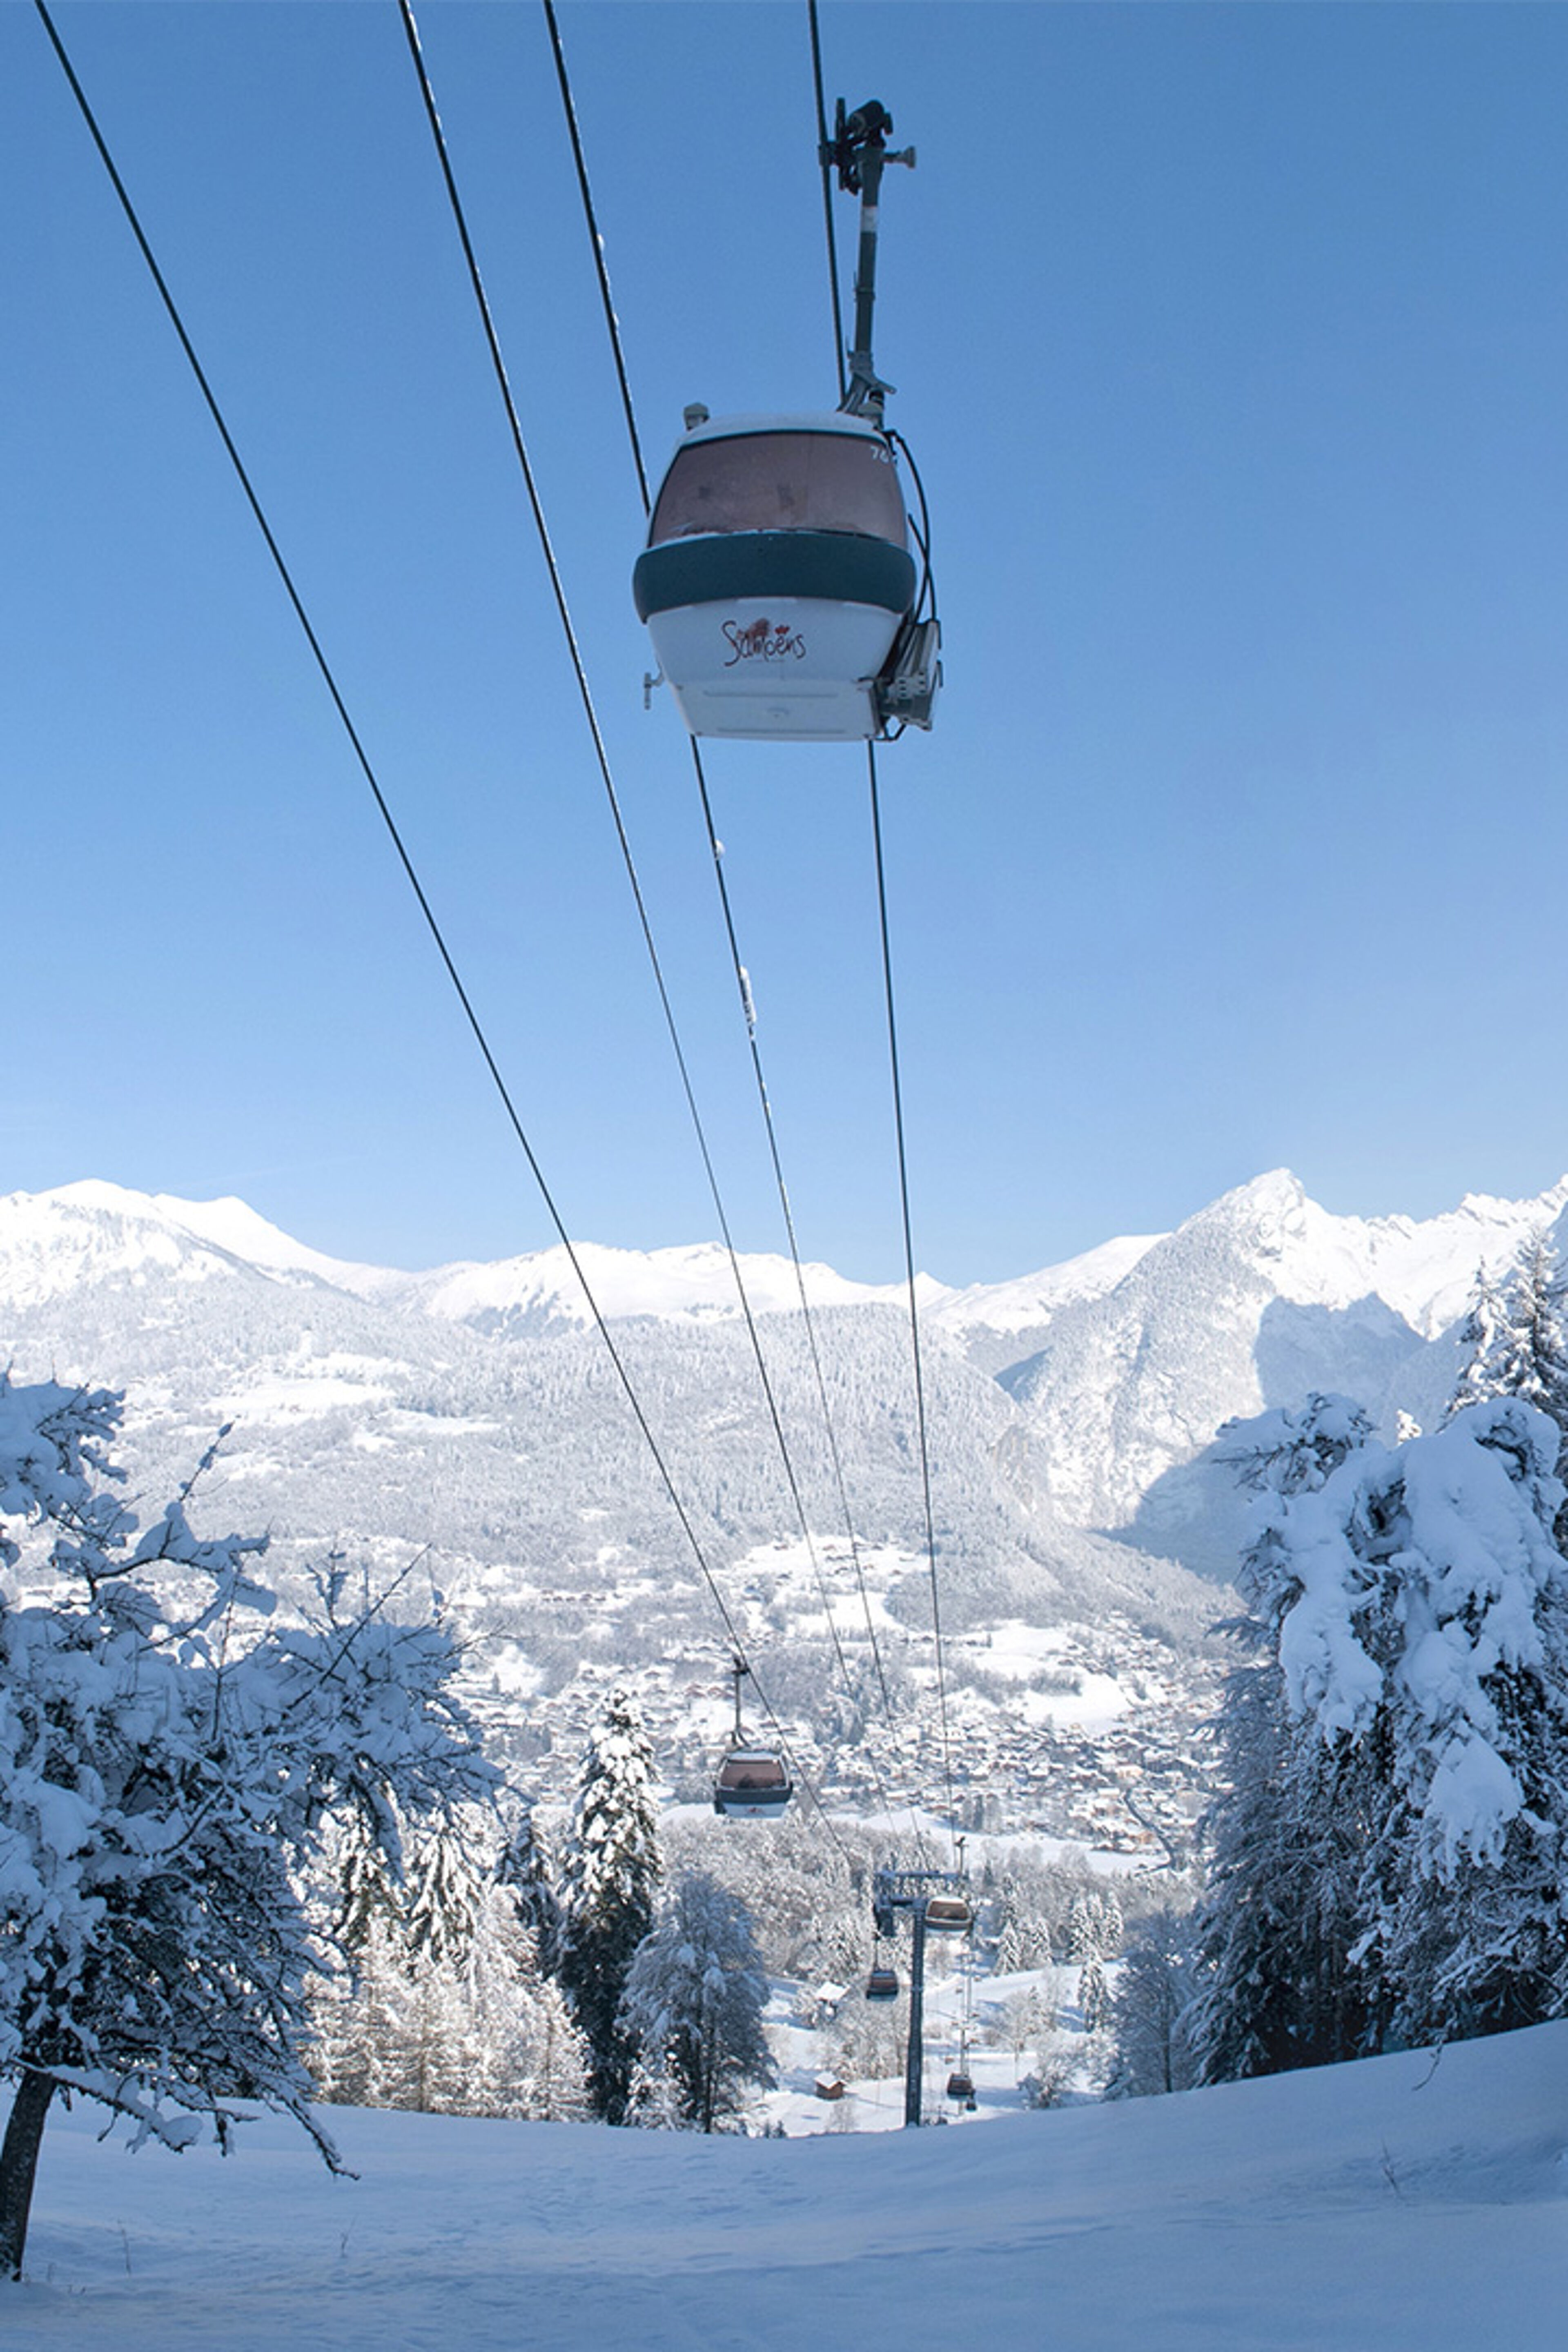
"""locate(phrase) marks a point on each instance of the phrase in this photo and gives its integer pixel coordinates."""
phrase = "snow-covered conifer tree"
(1414, 1725)
(694, 2001)
(1153, 2054)
(1275, 1985)
(447, 2012)
(165, 1782)
(523, 1869)
(1516, 1337)
(1093, 1994)
(1482, 1336)
(610, 1877)
(1430, 1638)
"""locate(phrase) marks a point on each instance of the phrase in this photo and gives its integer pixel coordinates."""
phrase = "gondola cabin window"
(782, 481)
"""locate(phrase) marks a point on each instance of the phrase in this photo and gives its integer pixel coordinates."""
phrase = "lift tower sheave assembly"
(931, 1912)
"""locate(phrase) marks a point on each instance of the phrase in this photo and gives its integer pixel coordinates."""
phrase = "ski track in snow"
(1398, 2204)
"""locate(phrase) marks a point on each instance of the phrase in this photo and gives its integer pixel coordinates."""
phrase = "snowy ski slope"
(1396, 2206)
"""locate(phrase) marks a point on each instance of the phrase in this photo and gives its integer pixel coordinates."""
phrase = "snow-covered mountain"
(1259, 1298)
(523, 1298)
(1116, 1369)
(54, 1244)
(1074, 1418)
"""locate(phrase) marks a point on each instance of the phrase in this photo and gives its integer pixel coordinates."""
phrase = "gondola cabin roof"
(777, 575)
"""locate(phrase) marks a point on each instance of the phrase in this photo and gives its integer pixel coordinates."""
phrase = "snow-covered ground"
(1402, 2205)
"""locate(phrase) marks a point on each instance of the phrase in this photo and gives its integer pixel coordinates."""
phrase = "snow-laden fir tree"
(1275, 1987)
(1154, 2050)
(1093, 1994)
(1022, 1933)
(524, 1869)
(610, 1874)
(1516, 1344)
(446, 2053)
(1419, 1727)
(170, 1758)
(1431, 1637)
(693, 2004)
(447, 2012)
(1094, 1927)
(1515, 1337)
(1483, 1338)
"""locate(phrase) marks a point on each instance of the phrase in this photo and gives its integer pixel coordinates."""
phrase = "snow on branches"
(170, 1757)
(1389, 1854)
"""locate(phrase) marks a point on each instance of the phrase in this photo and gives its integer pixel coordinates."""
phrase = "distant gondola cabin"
(777, 576)
(752, 1783)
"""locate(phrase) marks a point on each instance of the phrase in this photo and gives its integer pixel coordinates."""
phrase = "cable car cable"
(824, 159)
(426, 909)
(597, 242)
(716, 849)
(921, 1424)
(361, 755)
(602, 756)
(586, 695)
(614, 328)
(923, 536)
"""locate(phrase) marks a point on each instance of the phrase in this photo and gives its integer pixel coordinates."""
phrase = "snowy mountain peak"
(1119, 1365)
(689, 1283)
(52, 1242)
(1030, 1302)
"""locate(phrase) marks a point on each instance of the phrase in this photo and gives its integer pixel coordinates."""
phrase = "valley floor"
(1400, 2205)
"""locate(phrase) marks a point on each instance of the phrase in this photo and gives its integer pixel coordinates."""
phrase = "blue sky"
(1233, 345)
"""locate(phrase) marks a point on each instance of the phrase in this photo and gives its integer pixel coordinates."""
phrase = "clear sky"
(1232, 344)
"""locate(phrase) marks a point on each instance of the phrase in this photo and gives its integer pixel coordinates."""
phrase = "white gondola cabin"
(948, 1915)
(777, 582)
(751, 1784)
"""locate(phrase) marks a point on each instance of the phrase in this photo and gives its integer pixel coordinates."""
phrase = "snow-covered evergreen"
(611, 1872)
(524, 1869)
(1273, 1985)
(1389, 1860)
(1515, 1337)
(694, 2001)
(1149, 2011)
(447, 2010)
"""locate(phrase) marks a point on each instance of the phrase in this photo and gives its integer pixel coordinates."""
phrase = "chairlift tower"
(918, 1892)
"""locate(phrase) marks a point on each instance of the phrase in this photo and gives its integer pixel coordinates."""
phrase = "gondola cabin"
(777, 582)
(961, 2087)
(948, 1915)
(751, 1784)
(882, 1984)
